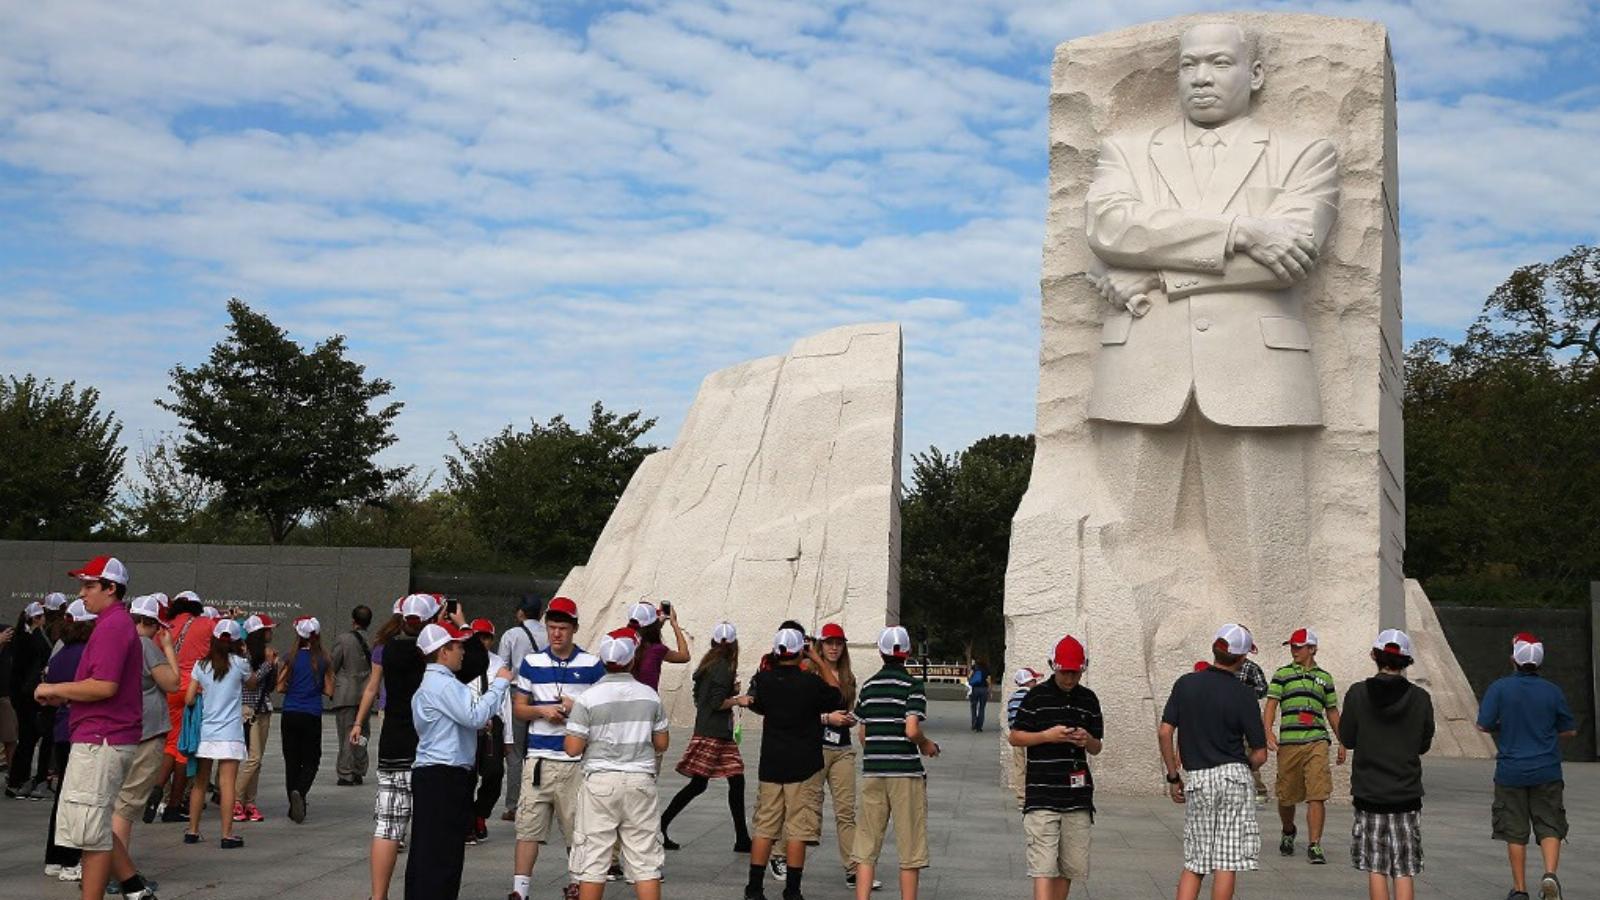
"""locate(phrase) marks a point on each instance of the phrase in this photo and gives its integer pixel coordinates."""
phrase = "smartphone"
(450, 606)
(666, 607)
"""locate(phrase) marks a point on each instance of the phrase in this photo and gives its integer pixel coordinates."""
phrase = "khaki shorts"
(1303, 773)
(142, 775)
(95, 773)
(617, 809)
(1058, 843)
(903, 799)
(556, 795)
(790, 812)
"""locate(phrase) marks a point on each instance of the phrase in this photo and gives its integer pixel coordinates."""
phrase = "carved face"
(1216, 74)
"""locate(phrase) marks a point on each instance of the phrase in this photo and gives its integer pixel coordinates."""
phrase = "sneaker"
(152, 805)
(570, 892)
(150, 884)
(509, 815)
(190, 837)
(1517, 895)
(751, 893)
(850, 879)
(53, 870)
(71, 873)
(41, 791)
(346, 782)
(238, 812)
(614, 873)
(1286, 844)
(793, 895)
(1315, 856)
(482, 831)
(1549, 887)
(253, 813)
(173, 814)
(232, 843)
(17, 793)
(149, 893)
(297, 807)
(779, 867)
(472, 839)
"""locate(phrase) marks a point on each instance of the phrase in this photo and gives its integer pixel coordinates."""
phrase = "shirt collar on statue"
(1226, 134)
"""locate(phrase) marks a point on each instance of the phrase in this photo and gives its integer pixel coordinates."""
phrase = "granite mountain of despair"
(1219, 409)
(780, 499)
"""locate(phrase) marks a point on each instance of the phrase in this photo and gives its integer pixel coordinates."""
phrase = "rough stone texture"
(1146, 605)
(1455, 706)
(779, 500)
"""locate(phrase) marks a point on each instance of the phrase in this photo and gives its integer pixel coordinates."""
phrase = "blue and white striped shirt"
(545, 680)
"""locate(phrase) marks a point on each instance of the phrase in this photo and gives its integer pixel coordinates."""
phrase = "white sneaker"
(71, 873)
(52, 870)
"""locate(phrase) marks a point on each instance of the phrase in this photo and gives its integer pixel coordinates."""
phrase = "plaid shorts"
(1220, 831)
(391, 812)
(1387, 843)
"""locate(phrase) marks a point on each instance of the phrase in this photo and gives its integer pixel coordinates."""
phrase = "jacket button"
(1202, 324)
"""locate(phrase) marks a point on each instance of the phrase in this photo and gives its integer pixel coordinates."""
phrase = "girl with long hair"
(65, 862)
(30, 651)
(712, 752)
(257, 702)
(304, 681)
(222, 676)
(838, 755)
(647, 622)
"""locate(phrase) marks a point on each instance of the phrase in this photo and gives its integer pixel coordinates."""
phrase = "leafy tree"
(279, 431)
(541, 497)
(956, 536)
(61, 460)
(167, 502)
(1502, 461)
(432, 523)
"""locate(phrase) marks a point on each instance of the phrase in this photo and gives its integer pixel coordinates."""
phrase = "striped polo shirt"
(546, 679)
(618, 716)
(885, 702)
(1304, 697)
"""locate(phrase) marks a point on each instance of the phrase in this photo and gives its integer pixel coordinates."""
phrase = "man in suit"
(352, 663)
(1207, 227)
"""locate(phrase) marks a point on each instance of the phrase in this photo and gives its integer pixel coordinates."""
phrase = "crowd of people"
(119, 709)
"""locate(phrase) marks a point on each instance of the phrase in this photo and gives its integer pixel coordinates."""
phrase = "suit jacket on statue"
(1228, 331)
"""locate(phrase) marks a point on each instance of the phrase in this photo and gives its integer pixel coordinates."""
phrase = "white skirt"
(222, 750)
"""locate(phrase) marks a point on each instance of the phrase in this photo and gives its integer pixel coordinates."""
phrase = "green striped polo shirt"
(1304, 696)
(883, 704)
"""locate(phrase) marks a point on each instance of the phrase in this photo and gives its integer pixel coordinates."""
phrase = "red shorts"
(175, 706)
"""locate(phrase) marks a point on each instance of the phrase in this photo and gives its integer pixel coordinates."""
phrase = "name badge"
(1307, 718)
(832, 737)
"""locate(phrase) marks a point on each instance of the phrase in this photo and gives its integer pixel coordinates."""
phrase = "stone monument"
(780, 499)
(1219, 419)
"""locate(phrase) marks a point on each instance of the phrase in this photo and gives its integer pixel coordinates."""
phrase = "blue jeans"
(978, 701)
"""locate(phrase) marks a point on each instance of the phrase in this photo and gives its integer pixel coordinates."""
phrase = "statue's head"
(1219, 68)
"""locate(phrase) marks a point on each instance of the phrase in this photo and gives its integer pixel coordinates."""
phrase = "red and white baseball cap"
(33, 610)
(210, 612)
(617, 648)
(77, 612)
(562, 606)
(435, 635)
(482, 626)
(1528, 650)
(161, 599)
(1302, 637)
(419, 606)
(306, 626)
(1024, 676)
(256, 623)
(227, 628)
(724, 633)
(102, 568)
(1524, 637)
(54, 600)
(1393, 640)
(148, 606)
(788, 642)
(1069, 656)
(895, 641)
(833, 631)
(643, 614)
(1201, 665)
(1237, 639)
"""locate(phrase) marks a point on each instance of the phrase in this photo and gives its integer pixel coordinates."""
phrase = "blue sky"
(514, 209)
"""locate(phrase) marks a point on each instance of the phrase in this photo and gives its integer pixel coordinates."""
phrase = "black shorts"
(1539, 805)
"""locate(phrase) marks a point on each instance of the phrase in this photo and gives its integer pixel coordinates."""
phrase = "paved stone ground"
(975, 835)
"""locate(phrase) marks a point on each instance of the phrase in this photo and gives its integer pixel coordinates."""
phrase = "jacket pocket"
(1284, 333)
(1115, 330)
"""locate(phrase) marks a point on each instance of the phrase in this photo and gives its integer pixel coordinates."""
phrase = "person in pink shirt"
(646, 621)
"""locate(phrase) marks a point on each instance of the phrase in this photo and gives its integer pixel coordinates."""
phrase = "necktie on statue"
(1205, 159)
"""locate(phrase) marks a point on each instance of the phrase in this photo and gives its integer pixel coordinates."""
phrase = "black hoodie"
(1388, 723)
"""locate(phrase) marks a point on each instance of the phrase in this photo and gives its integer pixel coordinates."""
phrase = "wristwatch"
(1174, 778)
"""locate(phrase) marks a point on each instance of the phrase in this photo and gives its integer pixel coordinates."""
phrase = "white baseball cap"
(1237, 638)
(422, 606)
(1025, 675)
(894, 641)
(1528, 650)
(102, 568)
(33, 610)
(644, 614)
(227, 628)
(1393, 640)
(146, 605)
(188, 595)
(54, 600)
(161, 599)
(210, 612)
(433, 636)
(617, 648)
(306, 626)
(80, 613)
(724, 633)
(254, 624)
(788, 642)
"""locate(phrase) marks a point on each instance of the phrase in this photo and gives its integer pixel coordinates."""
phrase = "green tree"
(61, 460)
(280, 431)
(165, 502)
(432, 523)
(956, 536)
(541, 497)
(1502, 461)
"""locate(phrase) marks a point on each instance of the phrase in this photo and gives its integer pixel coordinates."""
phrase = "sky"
(512, 210)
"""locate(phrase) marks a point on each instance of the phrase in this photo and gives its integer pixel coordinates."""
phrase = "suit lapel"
(1234, 168)
(1172, 162)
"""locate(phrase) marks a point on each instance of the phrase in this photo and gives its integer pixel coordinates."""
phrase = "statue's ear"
(1258, 75)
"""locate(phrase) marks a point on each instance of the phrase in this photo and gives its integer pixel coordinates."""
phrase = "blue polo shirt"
(1526, 714)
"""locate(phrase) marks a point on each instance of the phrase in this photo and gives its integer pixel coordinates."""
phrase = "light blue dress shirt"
(448, 717)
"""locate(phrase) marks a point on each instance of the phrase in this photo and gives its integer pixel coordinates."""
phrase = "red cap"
(1201, 665)
(266, 620)
(1301, 637)
(482, 626)
(832, 632)
(102, 568)
(1524, 637)
(562, 606)
(1069, 655)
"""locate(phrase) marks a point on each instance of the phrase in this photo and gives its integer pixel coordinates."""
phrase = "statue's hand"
(1127, 288)
(1284, 247)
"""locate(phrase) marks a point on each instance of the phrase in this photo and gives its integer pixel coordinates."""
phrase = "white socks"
(520, 884)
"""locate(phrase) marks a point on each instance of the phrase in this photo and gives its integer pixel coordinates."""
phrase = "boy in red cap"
(1303, 705)
(1060, 726)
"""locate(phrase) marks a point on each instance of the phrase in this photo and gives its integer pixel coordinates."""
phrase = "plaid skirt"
(1387, 843)
(708, 757)
(1220, 831)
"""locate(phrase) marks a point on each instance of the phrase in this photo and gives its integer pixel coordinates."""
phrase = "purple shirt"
(63, 666)
(112, 654)
(649, 671)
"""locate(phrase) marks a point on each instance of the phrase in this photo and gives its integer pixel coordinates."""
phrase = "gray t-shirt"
(155, 717)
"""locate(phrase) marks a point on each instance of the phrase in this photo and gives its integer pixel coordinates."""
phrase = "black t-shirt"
(1216, 715)
(403, 665)
(1058, 774)
(792, 702)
